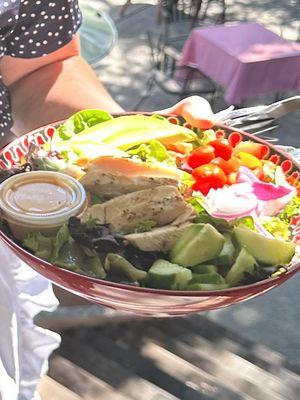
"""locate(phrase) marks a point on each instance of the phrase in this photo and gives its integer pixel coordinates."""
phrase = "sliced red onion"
(185, 167)
(262, 190)
(233, 216)
(267, 191)
(246, 175)
(231, 202)
(249, 196)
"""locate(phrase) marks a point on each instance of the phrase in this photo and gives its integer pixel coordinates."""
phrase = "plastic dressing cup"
(40, 201)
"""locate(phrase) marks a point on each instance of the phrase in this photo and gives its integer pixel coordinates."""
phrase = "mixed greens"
(169, 207)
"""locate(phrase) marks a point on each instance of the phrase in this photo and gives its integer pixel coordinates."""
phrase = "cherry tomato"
(201, 186)
(222, 148)
(220, 162)
(256, 149)
(295, 220)
(181, 147)
(232, 165)
(209, 176)
(201, 155)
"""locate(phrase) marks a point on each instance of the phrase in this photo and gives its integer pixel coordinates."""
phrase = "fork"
(258, 119)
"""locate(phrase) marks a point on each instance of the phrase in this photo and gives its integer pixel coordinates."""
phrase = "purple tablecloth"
(246, 59)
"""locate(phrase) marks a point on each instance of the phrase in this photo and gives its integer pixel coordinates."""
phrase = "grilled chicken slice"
(162, 204)
(158, 239)
(187, 216)
(110, 177)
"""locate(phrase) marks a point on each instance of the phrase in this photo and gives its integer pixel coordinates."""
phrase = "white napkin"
(24, 347)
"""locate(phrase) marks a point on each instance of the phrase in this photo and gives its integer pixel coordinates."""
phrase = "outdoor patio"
(250, 351)
(169, 359)
(126, 69)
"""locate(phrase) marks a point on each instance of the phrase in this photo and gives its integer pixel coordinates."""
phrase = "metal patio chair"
(176, 18)
(206, 11)
(173, 79)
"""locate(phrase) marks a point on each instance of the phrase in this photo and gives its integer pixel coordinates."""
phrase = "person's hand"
(195, 109)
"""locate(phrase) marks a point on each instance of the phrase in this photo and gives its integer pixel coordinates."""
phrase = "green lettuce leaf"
(41, 245)
(62, 237)
(221, 224)
(80, 121)
(198, 203)
(246, 222)
(207, 136)
(63, 251)
(142, 226)
(153, 151)
(186, 181)
(204, 218)
(291, 210)
(158, 151)
(278, 228)
(50, 164)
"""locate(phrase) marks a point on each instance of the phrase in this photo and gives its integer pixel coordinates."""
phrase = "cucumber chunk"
(207, 286)
(212, 277)
(117, 264)
(204, 269)
(245, 262)
(227, 255)
(165, 275)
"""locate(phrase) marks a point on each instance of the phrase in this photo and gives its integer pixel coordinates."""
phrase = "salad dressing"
(40, 201)
(39, 197)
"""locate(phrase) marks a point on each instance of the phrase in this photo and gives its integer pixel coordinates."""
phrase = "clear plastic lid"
(41, 198)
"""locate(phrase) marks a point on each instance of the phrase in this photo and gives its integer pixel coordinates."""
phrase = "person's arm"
(50, 88)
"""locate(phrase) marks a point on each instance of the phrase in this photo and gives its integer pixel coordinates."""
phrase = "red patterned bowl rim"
(268, 282)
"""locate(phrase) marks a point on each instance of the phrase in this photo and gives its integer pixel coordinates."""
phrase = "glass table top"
(98, 34)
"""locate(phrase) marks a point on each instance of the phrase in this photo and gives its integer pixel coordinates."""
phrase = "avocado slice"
(264, 250)
(165, 275)
(117, 264)
(207, 286)
(204, 269)
(244, 263)
(130, 130)
(227, 255)
(199, 243)
(212, 277)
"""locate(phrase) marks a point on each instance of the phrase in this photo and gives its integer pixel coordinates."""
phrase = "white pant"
(24, 347)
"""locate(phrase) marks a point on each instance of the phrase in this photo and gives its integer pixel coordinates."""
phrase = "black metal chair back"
(163, 72)
(180, 10)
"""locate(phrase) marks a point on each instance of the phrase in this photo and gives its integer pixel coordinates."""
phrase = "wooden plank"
(48, 389)
(128, 352)
(87, 386)
(255, 353)
(236, 373)
(258, 354)
(232, 370)
(122, 380)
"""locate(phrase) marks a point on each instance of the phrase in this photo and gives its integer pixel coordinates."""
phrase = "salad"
(161, 205)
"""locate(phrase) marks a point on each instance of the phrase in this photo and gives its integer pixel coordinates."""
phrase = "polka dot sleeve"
(42, 27)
